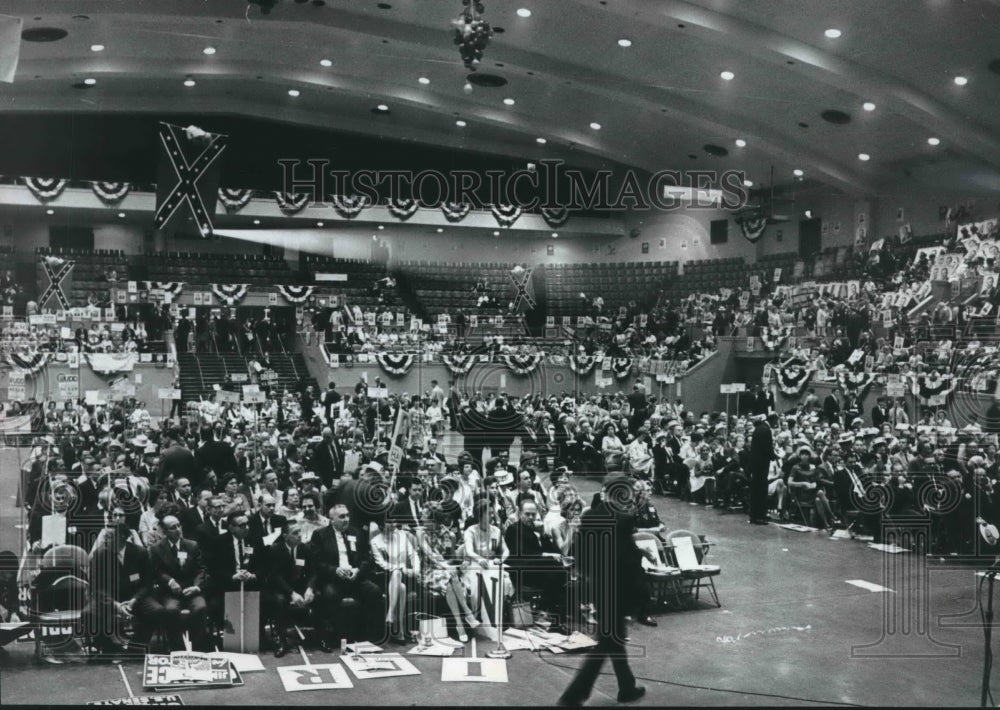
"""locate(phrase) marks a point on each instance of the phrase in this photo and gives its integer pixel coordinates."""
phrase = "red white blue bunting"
(395, 363)
(402, 209)
(230, 294)
(349, 207)
(27, 363)
(45, 189)
(291, 204)
(295, 294)
(455, 211)
(234, 199)
(621, 366)
(169, 287)
(458, 364)
(505, 215)
(792, 380)
(582, 364)
(110, 193)
(522, 364)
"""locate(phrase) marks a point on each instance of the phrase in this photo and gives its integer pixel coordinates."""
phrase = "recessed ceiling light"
(596, 126)
(868, 106)
(256, 221)
(624, 43)
(748, 183)
(319, 224)
(833, 33)
(424, 80)
(121, 215)
(97, 48)
(740, 143)
(496, 234)
(90, 82)
(555, 235)
(293, 92)
(961, 80)
(541, 141)
(864, 157)
(524, 12)
(439, 230)
(509, 102)
(189, 82)
(797, 173)
(808, 214)
(50, 211)
(209, 50)
(325, 63)
(382, 107)
(727, 75)
(381, 226)
(460, 123)
(934, 141)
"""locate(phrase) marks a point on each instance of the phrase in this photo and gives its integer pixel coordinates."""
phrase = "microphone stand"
(988, 635)
(500, 651)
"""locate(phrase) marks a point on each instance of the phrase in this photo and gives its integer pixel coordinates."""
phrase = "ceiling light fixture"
(864, 157)
(319, 224)
(727, 75)
(189, 82)
(868, 106)
(460, 123)
(797, 173)
(833, 33)
(934, 141)
(97, 48)
(50, 211)
(740, 143)
(808, 214)
(509, 102)
(293, 92)
(596, 126)
(325, 63)
(496, 234)
(382, 107)
(121, 215)
(524, 12)
(439, 230)
(208, 50)
(381, 226)
(624, 43)
(90, 82)
(256, 221)
(424, 80)
(541, 141)
(555, 235)
(748, 183)
(961, 80)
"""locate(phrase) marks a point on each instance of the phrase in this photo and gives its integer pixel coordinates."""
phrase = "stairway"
(199, 372)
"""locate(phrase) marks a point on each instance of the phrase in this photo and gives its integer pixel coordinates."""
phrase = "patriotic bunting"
(295, 294)
(458, 364)
(230, 294)
(402, 209)
(792, 380)
(291, 204)
(172, 288)
(233, 199)
(110, 193)
(855, 382)
(27, 363)
(582, 364)
(555, 217)
(774, 338)
(349, 207)
(505, 215)
(395, 363)
(933, 384)
(107, 363)
(752, 226)
(621, 366)
(455, 211)
(45, 189)
(522, 364)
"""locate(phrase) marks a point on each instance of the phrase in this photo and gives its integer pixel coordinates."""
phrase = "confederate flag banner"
(188, 178)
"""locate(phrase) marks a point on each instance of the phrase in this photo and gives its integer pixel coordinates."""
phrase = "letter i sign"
(475, 670)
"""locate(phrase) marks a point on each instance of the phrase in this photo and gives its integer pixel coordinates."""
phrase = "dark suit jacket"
(761, 450)
(222, 561)
(217, 456)
(121, 581)
(285, 575)
(401, 511)
(191, 521)
(166, 565)
(525, 545)
(831, 407)
(179, 461)
(879, 416)
(328, 466)
(326, 554)
(207, 533)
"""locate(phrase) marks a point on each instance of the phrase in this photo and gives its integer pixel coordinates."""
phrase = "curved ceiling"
(655, 105)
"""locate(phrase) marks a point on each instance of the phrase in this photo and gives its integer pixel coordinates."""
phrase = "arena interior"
(480, 332)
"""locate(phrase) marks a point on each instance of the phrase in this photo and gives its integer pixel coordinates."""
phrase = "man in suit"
(638, 408)
(180, 575)
(341, 569)
(880, 413)
(287, 586)
(761, 455)
(831, 407)
(408, 510)
(206, 533)
(195, 516)
(527, 545)
(265, 522)
(215, 455)
(120, 587)
(235, 561)
(328, 458)
(178, 460)
(331, 398)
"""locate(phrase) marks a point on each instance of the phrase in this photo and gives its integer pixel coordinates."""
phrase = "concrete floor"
(789, 626)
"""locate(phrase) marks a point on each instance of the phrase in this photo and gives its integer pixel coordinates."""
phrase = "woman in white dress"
(395, 555)
(485, 549)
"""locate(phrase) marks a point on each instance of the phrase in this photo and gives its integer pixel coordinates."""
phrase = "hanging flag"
(525, 298)
(57, 275)
(188, 178)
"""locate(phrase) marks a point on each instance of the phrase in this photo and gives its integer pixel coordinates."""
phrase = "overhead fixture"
(424, 80)
(50, 211)
(555, 235)
(961, 80)
(319, 224)
(467, 88)
(624, 43)
(460, 123)
(97, 48)
(256, 221)
(740, 143)
(293, 92)
(381, 226)
(325, 63)
(727, 75)
(797, 173)
(208, 50)
(934, 141)
(868, 106)
(89, 81)
(439, 230)
(472, 33)
(596, 126)
(524, 12)
(833, 33)
(864, 157)
(382, 107)
(809, 214)
(748, 183)
(121, 215)
(189, 82)
(509, 102)
(496, 233)
(541, 141)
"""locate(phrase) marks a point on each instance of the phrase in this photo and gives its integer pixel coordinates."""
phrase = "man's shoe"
(628, 696)
(281, 651)
(324, 646)
(565, 702)
(648, 621)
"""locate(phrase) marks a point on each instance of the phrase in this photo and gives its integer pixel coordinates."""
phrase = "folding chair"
(689, 560)
(663, 580)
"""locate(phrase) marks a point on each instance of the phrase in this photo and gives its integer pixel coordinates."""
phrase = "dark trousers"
(103, 625)
(369, 615)
(167, 609)
(758, 495)
(610, 644)
(278, 606)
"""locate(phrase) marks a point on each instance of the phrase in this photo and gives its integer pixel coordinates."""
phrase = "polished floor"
(791, 631)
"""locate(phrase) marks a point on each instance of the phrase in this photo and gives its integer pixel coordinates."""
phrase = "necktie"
(413, 510)
(239, 560)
